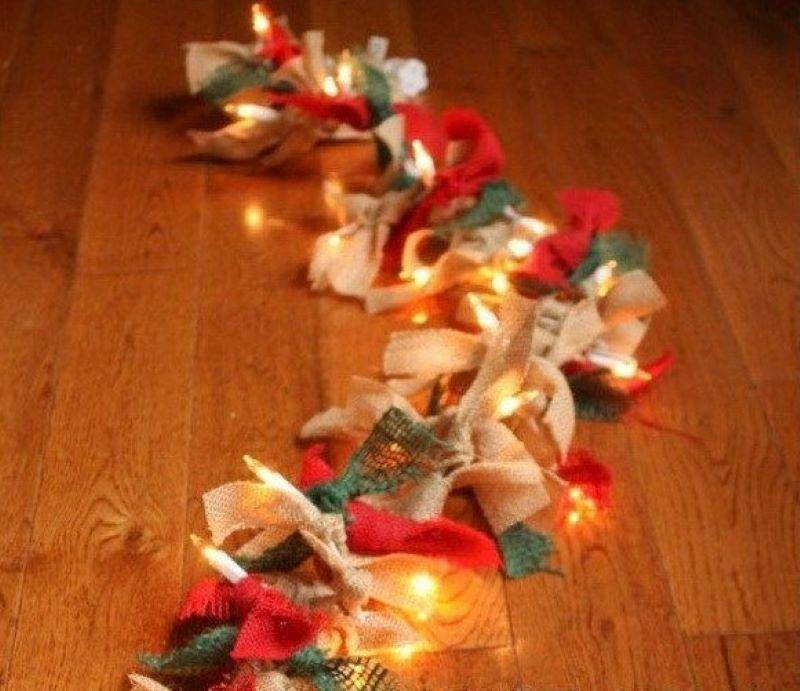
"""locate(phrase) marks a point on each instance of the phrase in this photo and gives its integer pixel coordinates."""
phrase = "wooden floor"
(155, 326)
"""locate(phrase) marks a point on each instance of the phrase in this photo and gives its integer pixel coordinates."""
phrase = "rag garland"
(328, 561)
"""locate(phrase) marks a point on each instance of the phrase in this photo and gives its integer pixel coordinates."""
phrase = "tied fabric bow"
(374, 532)
(348, 259)
(504, 475)
(482, 163)
(271, 627)
(588, 212)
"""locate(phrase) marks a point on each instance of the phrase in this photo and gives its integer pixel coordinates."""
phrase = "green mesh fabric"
(204, 653)
(341, 673)
(287, 555)
(596, 400)
(627, 250)
(377, 91)
(494, 197)
(360, 674)
(233, 77)
(526, 551)
(397, 450)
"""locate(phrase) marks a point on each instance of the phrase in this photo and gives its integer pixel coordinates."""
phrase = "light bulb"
(519, 247)
(251, 111)
(344, 72)
(622, 366)
(334, 240)
(261, 22)
(423, 585)
(487, 319)
(220, 561)
(419, 318)
(329, 86)
(421, 276)
(423, 162)
(500, 283)
(511, 404)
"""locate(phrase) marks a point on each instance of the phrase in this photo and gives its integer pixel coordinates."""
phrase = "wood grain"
(42, 185)
(157, 325)
(49, 116)
(692, 100)
(743, 662)
(736, 465)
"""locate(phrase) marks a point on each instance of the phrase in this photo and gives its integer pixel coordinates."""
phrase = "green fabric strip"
(233, 77)
(628, 251)
(526, 551)
(204, 653)
(493, 198)
(286, 556)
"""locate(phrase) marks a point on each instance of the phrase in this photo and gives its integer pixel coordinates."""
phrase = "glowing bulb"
(576, 494)
(500, 283)
(574, 517)
(511, 404)
(334, 240)
(219, 560)
(487, 319)
(423, 585)
(251, 111)
(603, 277)
(421, 276)
(622, 366)
(405, 651)
(519, 247)
(419, 318)
(423, 162)
(529, 224)
(261, 22)
(329, 86)
(344, 72)
(275, 481)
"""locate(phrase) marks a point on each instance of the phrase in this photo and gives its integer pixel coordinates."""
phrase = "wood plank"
(109, 516)
(760, 661)
(136, 159)
(36, 280)
(16, 15)
(760, 42)
(712, 141)
(49, 114)
(42, 185)
(731, 568)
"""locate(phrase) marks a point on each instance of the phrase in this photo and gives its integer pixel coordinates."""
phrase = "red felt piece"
(314, 469)
(280, 47)
(581, 468)
(276, 628)
(209, 598)
(556, 256)
(351, 110)
(482, 164)
(421, 123)
(374, 531)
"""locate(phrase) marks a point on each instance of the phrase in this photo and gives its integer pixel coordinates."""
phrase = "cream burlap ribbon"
(348, 260)
(275, 509)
